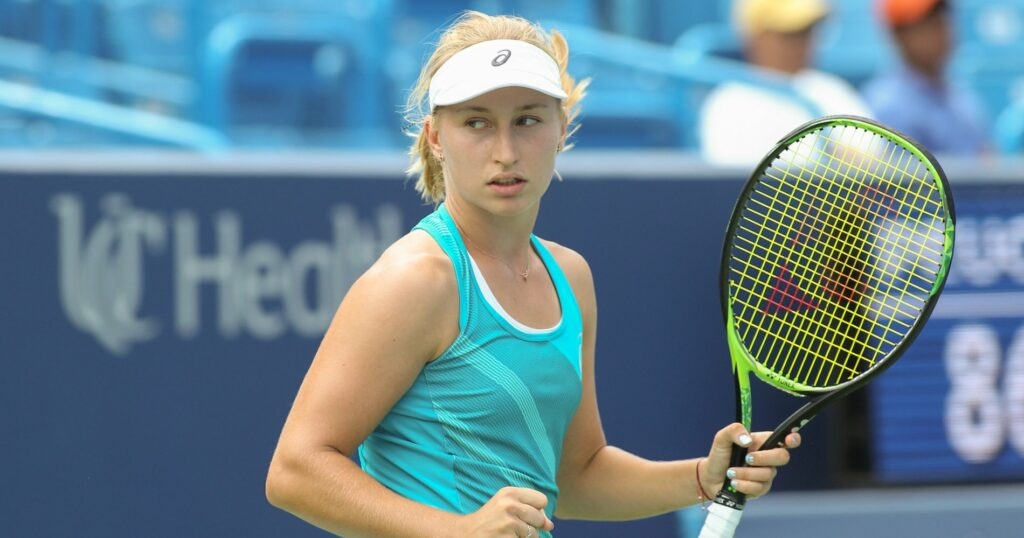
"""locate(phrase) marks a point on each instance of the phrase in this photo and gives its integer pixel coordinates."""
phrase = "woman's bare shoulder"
(414, 266)
(575, 267)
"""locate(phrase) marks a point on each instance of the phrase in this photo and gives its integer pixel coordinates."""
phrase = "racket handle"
(721, 521)
(723, 515)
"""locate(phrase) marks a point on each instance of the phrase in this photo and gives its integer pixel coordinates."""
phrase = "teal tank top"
(493, 409)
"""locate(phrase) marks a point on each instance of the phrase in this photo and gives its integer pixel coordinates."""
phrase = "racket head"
(836, 252)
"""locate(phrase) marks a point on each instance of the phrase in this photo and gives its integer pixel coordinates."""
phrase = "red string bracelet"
(702, 495)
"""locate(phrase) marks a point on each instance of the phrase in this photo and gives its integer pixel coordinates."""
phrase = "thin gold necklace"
(524, 274)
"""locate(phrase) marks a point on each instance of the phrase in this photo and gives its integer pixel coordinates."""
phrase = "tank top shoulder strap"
(570, 307)
(441, 227)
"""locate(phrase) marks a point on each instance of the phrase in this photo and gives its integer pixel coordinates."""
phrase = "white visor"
(487, 66)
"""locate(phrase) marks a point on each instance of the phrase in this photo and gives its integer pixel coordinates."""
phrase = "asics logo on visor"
(501, 58)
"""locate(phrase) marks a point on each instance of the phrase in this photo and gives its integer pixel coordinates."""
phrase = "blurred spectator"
(916, 97)
(740, 122)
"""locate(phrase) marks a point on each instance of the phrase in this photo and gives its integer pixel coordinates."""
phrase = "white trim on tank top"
(493, 301)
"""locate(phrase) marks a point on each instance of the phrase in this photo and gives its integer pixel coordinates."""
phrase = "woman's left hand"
(755, 478)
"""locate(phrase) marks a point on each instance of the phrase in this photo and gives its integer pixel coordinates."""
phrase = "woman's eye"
(528, 120)
(476, 124)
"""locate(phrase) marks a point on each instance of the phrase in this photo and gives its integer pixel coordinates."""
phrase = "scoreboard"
(952, 408)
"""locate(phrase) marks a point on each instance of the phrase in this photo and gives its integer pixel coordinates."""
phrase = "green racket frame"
(744, 362)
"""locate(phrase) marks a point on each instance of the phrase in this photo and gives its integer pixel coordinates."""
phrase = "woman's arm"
(599, 481)
(399, 315)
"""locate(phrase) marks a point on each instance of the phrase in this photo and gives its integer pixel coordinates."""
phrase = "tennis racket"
(835, 255)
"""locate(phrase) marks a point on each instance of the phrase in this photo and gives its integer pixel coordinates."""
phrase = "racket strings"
(839, 275)
(853, 246)
(847, 261)
(864, 199)
(835, 255)
(908, 246)
(914, 199)
(800, 230)
(783, 297)
(845, 276)
(858, 199)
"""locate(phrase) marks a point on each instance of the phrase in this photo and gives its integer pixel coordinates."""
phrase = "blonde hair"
(470, 28)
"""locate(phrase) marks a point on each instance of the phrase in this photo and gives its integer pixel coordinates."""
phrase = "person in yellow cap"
(778, 39)
(917, 97)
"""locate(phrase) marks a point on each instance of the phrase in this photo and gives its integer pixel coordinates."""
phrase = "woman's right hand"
(510, 513)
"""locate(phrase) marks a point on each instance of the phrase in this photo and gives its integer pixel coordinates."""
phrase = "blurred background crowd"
(287, 74)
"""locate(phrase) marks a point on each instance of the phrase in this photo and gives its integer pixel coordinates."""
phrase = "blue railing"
(335, 73)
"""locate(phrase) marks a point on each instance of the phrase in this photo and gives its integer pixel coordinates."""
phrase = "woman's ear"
(433, 136)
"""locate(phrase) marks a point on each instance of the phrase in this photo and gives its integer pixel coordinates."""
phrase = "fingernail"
(750, 459)
(731, 473)
(734, 484)
(745, 440)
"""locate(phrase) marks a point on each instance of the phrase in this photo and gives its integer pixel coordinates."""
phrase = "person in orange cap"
(917, 97)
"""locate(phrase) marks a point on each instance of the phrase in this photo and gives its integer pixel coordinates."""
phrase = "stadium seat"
(639, 94)
(664, 22)
(21, 20)
(580, 12)
(990, 50)
(301, 80)
(718, 39)
(851, 42)
(157, 34)
(1009, 129)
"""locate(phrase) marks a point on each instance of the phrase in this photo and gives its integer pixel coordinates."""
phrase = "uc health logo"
(101, 274)
(109, 266)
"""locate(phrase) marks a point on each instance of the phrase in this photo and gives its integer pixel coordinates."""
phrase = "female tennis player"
(460, 366)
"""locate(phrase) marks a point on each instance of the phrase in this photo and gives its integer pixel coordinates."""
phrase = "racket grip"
(721, 522)
(723, 515)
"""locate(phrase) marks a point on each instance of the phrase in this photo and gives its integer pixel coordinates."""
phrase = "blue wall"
(157, 324)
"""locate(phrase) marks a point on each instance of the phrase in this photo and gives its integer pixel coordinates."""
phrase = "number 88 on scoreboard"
(952, 409)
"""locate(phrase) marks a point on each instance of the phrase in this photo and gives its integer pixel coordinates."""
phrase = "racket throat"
(731, 499)
(793, 424)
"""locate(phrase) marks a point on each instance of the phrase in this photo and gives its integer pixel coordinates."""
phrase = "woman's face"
(499, 148)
